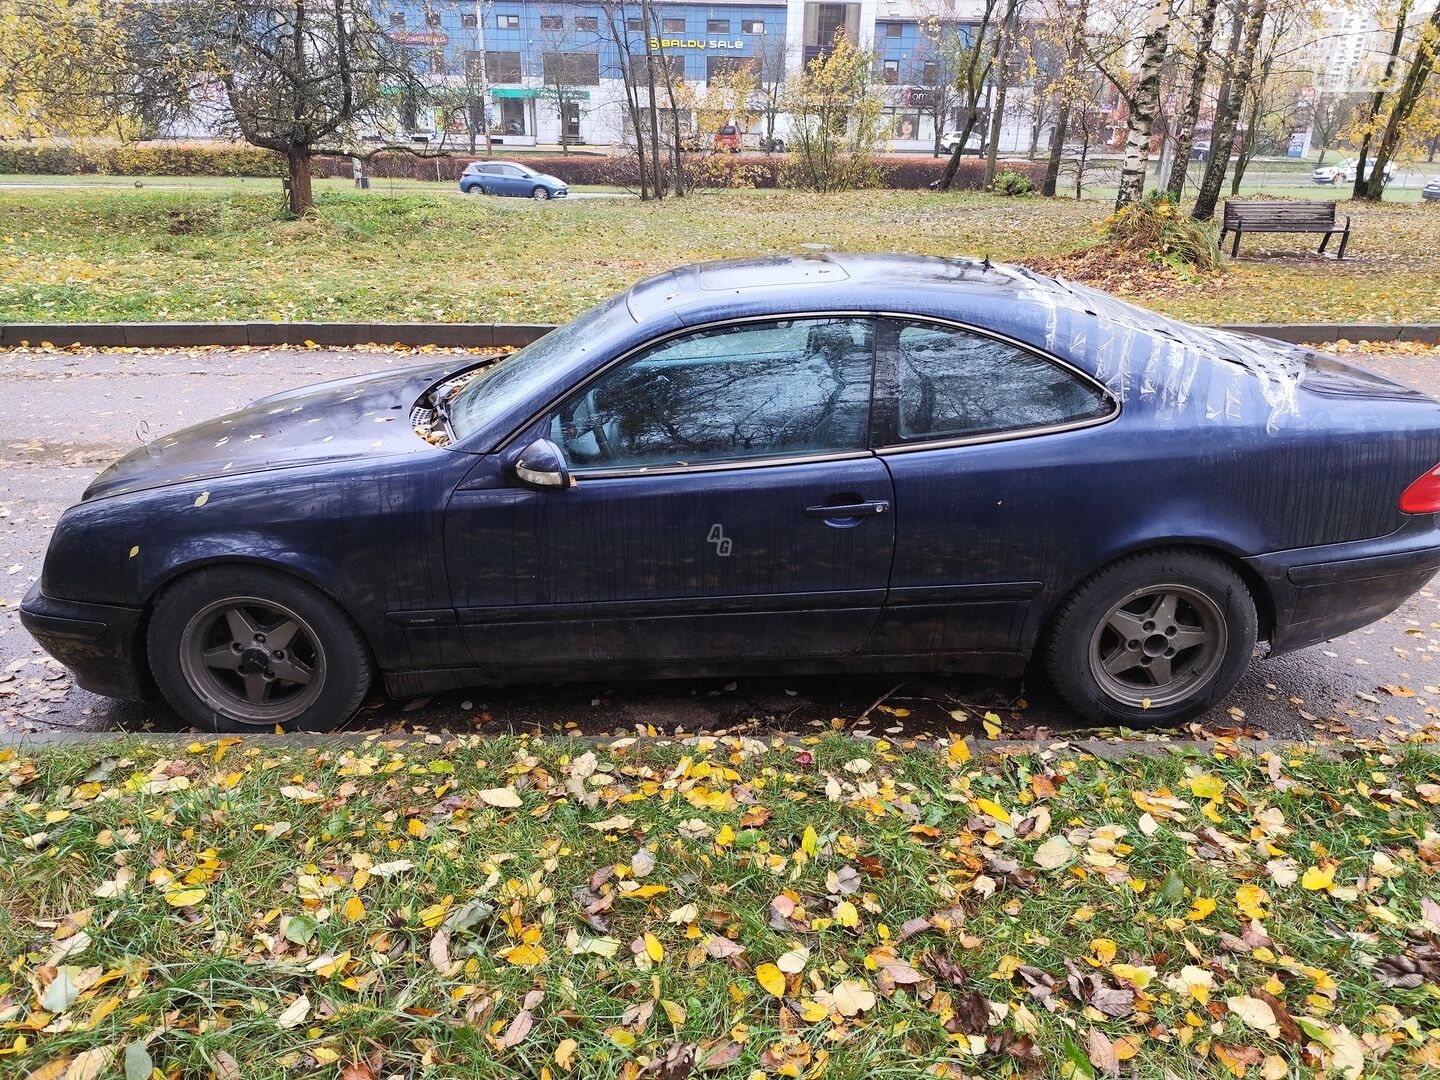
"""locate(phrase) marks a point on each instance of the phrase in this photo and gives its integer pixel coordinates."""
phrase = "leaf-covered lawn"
(727, 908)
(108, 255)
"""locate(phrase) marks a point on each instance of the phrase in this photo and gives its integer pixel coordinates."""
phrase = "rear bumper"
(100, 644)
(1322, 592)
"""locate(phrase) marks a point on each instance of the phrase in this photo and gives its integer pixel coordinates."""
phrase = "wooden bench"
(1273, 216)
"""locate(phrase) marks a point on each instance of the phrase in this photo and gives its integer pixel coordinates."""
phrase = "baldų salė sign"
(696, 43)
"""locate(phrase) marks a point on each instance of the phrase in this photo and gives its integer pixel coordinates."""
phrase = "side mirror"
(542, 465)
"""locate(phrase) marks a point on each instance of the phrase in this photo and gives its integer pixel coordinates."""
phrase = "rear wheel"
(1152, 639)
(241, 648)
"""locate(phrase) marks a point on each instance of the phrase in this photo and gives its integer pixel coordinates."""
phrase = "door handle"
(849, 510)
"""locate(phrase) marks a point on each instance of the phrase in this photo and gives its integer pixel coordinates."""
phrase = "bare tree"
(1227, 115)
(617, 26)
(1327, 115)
(974, 72)
(936, 68)
(1069, 87)
(293, 76)
(1204, 12)
(1140, 94)
(771, 72)
(1377, 102)
(1004, 41)
(1421, 68)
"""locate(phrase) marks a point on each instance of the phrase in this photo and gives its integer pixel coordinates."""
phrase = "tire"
(540, 194)
(209, 653)
(1110, 679)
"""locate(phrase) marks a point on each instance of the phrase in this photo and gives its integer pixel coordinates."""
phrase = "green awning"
(501, 92)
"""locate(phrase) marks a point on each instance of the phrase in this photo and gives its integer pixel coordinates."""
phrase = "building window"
(507, 22)
(587, 22)
(437, 61)
(930, 74)
(752, 26)
(432, 19)
(502, 67)
(724, 65)
(473, 59)
(673, 26)
(397, 20)
(890, 72)
(571, 68)
(552, 22)
(893, 30)
(634, 25)
(469, 22)
(717, 26)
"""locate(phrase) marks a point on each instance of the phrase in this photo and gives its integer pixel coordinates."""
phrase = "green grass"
(250, 890)
(123, 254)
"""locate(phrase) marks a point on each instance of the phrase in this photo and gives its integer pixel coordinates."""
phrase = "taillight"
(1423, 496)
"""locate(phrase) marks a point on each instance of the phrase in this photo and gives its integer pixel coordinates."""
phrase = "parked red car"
(727, 137)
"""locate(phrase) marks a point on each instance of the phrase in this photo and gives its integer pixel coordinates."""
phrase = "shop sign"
(697, 43)
(433, 38)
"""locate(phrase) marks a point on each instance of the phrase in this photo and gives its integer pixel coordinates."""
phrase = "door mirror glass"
(774, 389)
(542, 465)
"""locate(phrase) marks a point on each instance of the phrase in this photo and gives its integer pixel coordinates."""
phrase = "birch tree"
(1227, 114)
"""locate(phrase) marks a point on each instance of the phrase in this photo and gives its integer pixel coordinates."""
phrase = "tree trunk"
(1419, 74)
(1002, 86)
(1185, 136)
(974, 83)
(1057, 151)
(302, 195)
(1051, 183)
(1143, 104)
(1227, 116)
(1360, 190)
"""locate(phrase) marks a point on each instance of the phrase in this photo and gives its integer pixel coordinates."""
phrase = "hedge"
(199, 159)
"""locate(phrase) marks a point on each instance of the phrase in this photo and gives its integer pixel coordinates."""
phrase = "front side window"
(954, 384)
(790, 387)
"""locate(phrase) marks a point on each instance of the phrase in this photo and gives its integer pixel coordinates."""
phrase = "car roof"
(1128, 348)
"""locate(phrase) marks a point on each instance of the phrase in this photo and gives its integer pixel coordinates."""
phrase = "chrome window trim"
(847, 455)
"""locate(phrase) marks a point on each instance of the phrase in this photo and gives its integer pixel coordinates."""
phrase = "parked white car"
(973, 145)
(1431, 191)
(1343, 172)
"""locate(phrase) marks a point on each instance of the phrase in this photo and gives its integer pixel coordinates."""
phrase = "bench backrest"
(1262, 213)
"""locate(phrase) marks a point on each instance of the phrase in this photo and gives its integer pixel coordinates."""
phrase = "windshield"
(502, 387)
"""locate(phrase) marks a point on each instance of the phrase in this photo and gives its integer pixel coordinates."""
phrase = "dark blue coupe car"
(791, 464)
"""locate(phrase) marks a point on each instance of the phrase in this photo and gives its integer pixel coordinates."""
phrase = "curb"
(159, 335)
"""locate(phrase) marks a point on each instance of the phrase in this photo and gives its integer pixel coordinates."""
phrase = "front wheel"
(1154, 638)
(240, 648)
(540, 194)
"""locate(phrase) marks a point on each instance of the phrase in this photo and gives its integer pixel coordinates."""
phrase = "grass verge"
(76, 255)
(733, 908)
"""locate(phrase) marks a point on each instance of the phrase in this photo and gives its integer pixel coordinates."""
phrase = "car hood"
(363, 416)
(551, 180)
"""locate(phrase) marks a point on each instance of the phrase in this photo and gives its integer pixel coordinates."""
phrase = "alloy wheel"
(253, 660)
(1158, 645)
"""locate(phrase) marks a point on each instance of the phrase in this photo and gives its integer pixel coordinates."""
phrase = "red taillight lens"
(1423, 496)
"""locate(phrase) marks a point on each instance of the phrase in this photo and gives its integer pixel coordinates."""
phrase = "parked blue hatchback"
(789, 464)
(510, 178)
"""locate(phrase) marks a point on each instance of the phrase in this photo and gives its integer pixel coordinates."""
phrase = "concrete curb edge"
(161, 335)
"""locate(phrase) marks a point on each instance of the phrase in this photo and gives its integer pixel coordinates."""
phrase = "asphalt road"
(67, 414)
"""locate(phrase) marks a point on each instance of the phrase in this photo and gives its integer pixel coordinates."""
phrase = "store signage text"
(418, 37)
(696, 43)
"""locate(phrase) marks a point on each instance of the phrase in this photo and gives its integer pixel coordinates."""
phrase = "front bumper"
(1319, 593)
(100, 644)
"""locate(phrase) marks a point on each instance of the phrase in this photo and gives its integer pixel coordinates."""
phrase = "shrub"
(752, 170)
(1156, 228)
(1010, 182)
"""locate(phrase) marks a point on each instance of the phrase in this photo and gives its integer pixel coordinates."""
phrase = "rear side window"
(953, 384)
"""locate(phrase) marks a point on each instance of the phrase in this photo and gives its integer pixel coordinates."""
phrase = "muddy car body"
(793, 464)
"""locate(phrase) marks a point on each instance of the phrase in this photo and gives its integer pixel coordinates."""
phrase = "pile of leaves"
(1146, 248)
(722, 907)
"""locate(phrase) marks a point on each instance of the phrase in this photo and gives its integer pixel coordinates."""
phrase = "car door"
(996, 468)
(725, 505)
